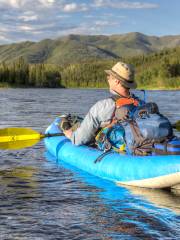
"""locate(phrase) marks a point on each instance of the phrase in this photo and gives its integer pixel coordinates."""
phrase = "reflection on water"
(164, 198)
(45, 199)
(129, 212)
(19, 182)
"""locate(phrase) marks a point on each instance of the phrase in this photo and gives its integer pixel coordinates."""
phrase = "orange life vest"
(120, 102)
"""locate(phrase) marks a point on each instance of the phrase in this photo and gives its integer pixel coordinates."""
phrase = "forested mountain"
(77, 48)
(159, 70)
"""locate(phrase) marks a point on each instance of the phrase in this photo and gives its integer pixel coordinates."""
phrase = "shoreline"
(85, 88)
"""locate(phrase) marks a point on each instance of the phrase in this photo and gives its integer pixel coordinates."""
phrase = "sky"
(34, 20)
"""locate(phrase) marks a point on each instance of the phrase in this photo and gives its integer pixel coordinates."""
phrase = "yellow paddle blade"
(17, 138)
(18, 134)
(15, 145)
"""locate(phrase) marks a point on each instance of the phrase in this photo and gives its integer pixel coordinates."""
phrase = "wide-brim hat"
(123, 72)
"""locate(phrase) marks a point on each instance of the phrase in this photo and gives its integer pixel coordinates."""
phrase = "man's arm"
(99, 113)
(88, 128)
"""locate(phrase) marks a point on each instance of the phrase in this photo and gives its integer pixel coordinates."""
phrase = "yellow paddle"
(17, 138)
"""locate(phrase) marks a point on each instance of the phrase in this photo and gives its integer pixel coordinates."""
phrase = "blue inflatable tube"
(146, 171)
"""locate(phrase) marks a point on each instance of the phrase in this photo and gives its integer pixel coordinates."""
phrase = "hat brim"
(108, 72)
(125, 83)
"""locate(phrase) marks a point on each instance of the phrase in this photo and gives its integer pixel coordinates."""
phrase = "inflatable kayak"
(146, 171)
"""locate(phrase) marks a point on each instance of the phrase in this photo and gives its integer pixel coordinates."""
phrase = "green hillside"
(159, 70)
(153, 71)
(77, 48)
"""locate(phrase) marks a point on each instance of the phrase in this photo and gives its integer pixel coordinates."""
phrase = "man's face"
(112, 81)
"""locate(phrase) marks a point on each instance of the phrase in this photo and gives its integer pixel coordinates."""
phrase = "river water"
(43, 199)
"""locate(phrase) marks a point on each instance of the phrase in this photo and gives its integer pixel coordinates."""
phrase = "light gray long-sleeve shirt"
(99, 115)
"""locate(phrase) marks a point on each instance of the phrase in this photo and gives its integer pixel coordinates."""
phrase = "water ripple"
(42, 199)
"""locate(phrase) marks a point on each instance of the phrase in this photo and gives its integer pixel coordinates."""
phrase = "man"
(121, 80)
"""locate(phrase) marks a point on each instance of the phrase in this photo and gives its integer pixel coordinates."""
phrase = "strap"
(166, 150)
(115, 97)
(60, 145)
(136, 132)
(100, 158)
(142, 146)
(144, 149)
(162, 152)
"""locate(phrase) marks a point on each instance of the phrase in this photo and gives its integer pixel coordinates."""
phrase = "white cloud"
(3, 29)
(3, 38)
(16, 3)
(70, 7)
(124, 4)
(100, 3)
(27, 18)
(25, 28)
(101, 23)
(45, 2)
(34, 5)
(13, 3)
(89, 28)
(38, 19)
(74, 7)
(27, 3)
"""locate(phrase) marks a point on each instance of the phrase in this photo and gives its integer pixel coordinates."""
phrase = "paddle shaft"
(17, 138)
(52, 135)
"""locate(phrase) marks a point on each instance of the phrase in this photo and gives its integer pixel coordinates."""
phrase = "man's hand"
(65, 125)
(68, 133)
